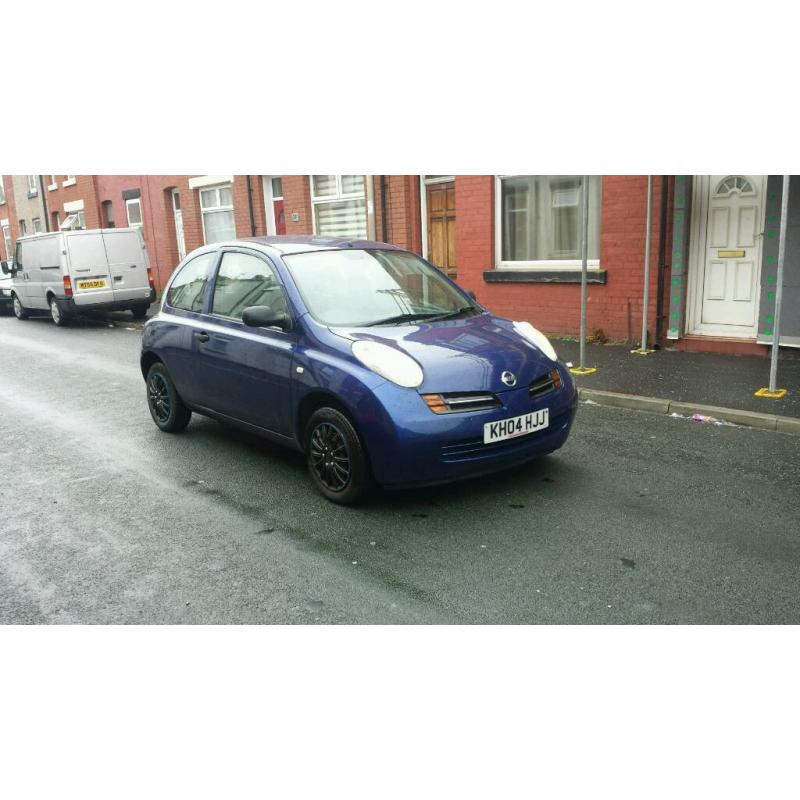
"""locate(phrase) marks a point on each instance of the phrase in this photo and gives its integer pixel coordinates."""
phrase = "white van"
(68, 272)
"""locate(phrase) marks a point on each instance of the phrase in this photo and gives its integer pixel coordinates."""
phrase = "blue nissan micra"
(361, 355)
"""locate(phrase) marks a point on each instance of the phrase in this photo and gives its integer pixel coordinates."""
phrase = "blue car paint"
(261, 378)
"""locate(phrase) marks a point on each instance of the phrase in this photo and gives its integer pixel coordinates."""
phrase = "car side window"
(187, 290)
(245, 280)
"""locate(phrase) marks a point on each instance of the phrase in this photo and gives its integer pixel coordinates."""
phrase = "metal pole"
(646, 295)
(584, 264)
(370, 192)
(776, 327)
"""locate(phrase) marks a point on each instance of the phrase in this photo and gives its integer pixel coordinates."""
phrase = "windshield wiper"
(451, 314)
(402, 318)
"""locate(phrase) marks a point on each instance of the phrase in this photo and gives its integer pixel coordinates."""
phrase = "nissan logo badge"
(509, 378)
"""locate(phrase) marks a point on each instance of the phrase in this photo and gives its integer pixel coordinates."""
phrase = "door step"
(721, 344)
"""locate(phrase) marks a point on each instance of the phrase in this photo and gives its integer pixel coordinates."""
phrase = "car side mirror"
(265, 317)
(4, 266)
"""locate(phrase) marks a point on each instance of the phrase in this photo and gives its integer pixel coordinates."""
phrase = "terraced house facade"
(512, 239)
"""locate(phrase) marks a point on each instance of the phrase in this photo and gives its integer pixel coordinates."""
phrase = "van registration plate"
(91, 284)
(516, 426)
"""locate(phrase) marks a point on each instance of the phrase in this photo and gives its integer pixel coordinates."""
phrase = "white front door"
(726, 285)
(176, 207)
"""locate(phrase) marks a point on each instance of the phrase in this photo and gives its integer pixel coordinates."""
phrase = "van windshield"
(374, 287)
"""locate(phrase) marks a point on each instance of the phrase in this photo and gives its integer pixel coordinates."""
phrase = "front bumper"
(415, 447)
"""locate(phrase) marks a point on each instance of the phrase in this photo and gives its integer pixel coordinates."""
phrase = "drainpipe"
(383, 210)
(44, 204)
(250, 206)
(642, 349)
(662, 259)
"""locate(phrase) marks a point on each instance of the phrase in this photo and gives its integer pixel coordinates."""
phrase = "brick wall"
(84, 189)
(297, 200)
(615, 307)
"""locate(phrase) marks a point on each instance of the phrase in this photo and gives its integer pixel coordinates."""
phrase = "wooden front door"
(441, 203)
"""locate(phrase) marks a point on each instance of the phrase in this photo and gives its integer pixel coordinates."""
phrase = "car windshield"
(373, 287)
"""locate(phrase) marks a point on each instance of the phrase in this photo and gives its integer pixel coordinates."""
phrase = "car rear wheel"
(139, 312)
(337, 461)
(166, 407)
(56, 314)
(19, 309)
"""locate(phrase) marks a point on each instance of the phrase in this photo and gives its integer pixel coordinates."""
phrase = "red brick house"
(513, 240)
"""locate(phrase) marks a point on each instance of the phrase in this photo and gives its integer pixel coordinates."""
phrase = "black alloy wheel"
(330, 458)
(166, 407)
(337, 460)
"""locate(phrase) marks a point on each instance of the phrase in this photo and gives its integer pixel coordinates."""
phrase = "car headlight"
(389, 363)
(527, 331)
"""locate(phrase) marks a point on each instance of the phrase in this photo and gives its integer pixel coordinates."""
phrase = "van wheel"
(139, 312)
(19, 310)
(166, 407)
(337, 461)
(56, 314)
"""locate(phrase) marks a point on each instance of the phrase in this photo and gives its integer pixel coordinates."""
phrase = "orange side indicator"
(435, 403)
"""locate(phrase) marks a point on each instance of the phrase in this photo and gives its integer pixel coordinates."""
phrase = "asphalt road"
(640, 518)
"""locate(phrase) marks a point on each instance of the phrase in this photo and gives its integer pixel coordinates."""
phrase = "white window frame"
(53, 185)
(32, 187)
(339, 197)
(36, 222)
(567, 265)
(70, 181)
(68, 223)
(23, 227)
(217, 208)
(5, 231)
(128, 204)
(2, 191)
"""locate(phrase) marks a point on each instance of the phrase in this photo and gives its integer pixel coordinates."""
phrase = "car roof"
(307, 244)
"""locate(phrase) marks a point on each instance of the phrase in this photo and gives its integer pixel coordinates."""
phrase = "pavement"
(640, 518)
(708, 378)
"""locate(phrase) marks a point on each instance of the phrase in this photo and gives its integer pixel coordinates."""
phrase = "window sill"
(594, 275)
(31, 195)
(70, 182)
(52, 187)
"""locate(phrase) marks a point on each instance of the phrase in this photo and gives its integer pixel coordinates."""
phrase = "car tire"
(139, 312)
(19, 310)
(57, 313)
(336, 458)
(166, 407)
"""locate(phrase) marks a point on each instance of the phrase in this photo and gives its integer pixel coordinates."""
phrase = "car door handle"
(201, 336)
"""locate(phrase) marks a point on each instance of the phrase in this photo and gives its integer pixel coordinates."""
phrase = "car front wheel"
(166, 407)
(337, 461)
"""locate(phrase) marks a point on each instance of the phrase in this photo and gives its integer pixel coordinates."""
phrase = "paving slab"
(707, 378)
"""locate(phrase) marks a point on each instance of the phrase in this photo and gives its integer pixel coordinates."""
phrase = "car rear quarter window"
(245, 280)
(187, 289)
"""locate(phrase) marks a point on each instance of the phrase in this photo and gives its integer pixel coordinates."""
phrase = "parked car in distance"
(361, 355)
(68, 272)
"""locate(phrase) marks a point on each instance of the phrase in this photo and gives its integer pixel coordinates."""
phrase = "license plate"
(91, 284)
(516, 426)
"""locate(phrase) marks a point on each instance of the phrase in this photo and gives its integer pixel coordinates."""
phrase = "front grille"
(453, 402)
(470, 401)
(545, 384)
